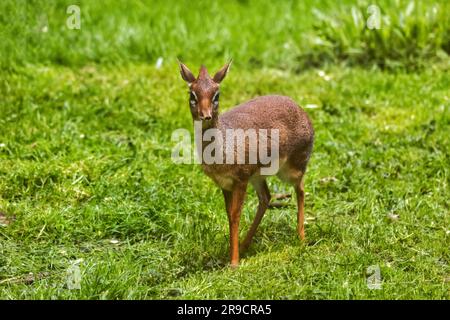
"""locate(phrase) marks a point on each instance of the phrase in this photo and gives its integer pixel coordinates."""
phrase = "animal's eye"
(216, 98)
(192, 98)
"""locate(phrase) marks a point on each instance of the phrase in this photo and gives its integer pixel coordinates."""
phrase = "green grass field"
(86, 175)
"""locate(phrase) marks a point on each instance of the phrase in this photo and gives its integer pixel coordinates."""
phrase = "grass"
(75, 183)
(86, 176)
(293, 35)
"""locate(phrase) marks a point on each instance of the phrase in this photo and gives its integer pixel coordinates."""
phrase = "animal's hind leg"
(263, 193)
(300, 191)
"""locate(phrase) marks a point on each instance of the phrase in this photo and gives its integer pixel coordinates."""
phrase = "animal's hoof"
(301, 236)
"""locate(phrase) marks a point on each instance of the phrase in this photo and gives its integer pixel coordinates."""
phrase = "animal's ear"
(186, 74)
(220, 75)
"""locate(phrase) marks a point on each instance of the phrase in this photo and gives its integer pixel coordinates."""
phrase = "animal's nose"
(205, 116)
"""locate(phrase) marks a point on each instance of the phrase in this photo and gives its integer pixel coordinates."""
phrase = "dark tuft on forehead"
(203, 74)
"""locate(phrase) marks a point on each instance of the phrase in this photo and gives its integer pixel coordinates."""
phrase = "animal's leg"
(233, 201)
(227, 197)
(300, 191)
(262, 190)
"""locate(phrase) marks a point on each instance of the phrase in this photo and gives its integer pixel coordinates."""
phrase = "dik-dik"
(295, 143)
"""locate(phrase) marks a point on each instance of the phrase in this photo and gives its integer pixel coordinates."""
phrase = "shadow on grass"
(272, 237)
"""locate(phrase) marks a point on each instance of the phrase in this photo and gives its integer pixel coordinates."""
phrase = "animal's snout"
(204, 110)
(205, 115)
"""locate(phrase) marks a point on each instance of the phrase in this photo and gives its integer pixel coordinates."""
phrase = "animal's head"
(204, 91)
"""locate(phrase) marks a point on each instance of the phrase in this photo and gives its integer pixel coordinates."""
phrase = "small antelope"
(295, 143)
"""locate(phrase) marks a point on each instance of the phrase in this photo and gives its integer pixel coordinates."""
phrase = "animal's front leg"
(234, 201)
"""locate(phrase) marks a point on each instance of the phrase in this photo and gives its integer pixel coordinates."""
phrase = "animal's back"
(273, 112)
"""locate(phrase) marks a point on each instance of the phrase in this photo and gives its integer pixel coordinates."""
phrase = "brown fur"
(296, 137)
